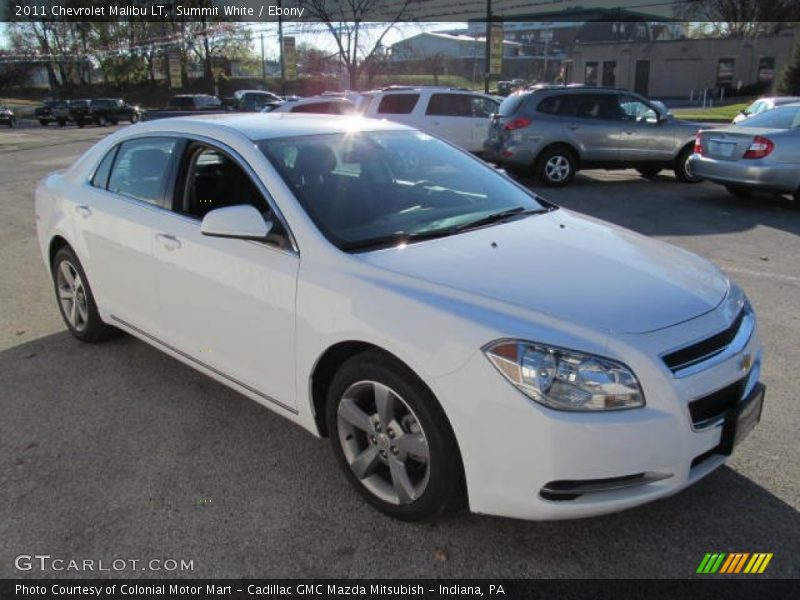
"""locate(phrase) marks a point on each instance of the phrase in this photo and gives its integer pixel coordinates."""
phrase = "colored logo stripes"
(734, 562)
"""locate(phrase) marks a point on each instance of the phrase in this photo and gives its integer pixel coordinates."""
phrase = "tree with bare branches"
(352, 23)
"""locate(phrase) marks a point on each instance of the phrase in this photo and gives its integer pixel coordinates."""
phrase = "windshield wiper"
(501, 216)
(394, 239)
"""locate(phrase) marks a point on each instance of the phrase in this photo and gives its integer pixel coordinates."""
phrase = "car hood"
(570, 267)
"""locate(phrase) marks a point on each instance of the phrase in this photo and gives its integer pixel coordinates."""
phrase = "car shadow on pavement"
(667, 207)
(117, 450)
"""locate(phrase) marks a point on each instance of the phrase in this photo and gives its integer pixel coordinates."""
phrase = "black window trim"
(192, 139)
(166, 188)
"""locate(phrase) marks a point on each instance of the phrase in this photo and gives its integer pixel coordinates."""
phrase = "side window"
(597, 106)
(634, 109)
(483, 107)
(141, 168)
(214, 180)
(100, 178)
(397, 104)
(450, 105)
(551, 105)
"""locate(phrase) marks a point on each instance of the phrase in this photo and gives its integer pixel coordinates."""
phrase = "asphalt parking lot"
(118, 451)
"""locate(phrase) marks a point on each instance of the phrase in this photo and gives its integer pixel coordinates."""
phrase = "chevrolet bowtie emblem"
(746, 362)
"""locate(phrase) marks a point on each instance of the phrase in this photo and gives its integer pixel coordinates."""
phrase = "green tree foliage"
(789, 80)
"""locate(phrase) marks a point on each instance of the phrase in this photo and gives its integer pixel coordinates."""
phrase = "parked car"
(555, 131)
(113, 110)
(459, 116)
(186, 104)
(74, 110)
(7, 116)
(459, 339)
(253, 100)
(44, 113)
(763, 104)
(194, 102)
(760, 153)
(330, 105)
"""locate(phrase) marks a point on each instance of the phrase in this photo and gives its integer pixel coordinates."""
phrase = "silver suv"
(555, 131)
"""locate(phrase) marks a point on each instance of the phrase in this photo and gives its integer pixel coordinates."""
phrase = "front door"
(228, 304)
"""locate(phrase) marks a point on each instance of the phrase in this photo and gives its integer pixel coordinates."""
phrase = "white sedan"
(459, 339)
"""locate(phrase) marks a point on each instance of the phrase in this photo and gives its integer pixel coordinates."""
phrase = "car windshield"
(784, 117)
(374, 189)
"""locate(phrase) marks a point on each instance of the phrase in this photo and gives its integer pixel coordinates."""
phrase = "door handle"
(170, 242)
(83, 211)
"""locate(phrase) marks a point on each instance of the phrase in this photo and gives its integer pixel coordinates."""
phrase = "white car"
(459, 116)
(460, 339)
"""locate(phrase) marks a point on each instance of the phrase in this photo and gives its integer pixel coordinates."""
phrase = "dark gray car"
(555, 131)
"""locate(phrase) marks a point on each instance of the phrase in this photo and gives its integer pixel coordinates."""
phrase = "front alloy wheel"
(392, 439)
(383, 442)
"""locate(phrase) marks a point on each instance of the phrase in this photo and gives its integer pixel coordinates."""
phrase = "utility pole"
(488, 50)
(263, 63)
(280, 42)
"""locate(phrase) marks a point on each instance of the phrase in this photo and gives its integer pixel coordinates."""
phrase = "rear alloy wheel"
(649, 172)
(75, 299)
(682, 171)
(392, 440)
(555, 167)
(740, 191)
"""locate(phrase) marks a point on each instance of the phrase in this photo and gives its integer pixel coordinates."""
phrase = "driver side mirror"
(242, 221)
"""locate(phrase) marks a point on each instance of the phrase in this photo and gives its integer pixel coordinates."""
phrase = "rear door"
(450, 117)
(594, 125)
(399, 107)
(117, 214)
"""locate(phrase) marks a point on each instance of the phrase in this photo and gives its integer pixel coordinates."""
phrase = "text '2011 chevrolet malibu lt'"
(459, 339)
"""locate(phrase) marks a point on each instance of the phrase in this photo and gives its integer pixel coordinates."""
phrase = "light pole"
(488, 50)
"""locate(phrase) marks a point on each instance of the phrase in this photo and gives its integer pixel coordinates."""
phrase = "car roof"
(259, 126)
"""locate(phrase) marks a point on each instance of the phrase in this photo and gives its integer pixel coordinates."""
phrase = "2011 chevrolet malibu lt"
(459, 339)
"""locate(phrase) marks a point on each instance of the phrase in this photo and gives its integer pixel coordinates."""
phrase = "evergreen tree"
(789, 80)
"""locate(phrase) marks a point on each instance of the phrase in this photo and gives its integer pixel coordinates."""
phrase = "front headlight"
(565, 379)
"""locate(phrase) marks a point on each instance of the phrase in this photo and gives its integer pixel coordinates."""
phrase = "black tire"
(740, 191)
(61, 122)
(134, 118)
(43, 122)
(80, 123)
(93, 329)
(682, 171)
(114, 122)
(649, 172)
(102, 121)
(555, 160)
(443, 488)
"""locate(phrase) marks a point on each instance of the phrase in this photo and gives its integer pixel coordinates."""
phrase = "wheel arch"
(576, 155)
(56, 243)
(334, 357)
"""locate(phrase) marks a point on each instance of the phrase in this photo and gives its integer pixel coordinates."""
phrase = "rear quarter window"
(397, 104)
(510, 105)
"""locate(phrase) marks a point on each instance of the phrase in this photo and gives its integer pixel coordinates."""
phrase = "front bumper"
(761, 174)
(515, 451)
